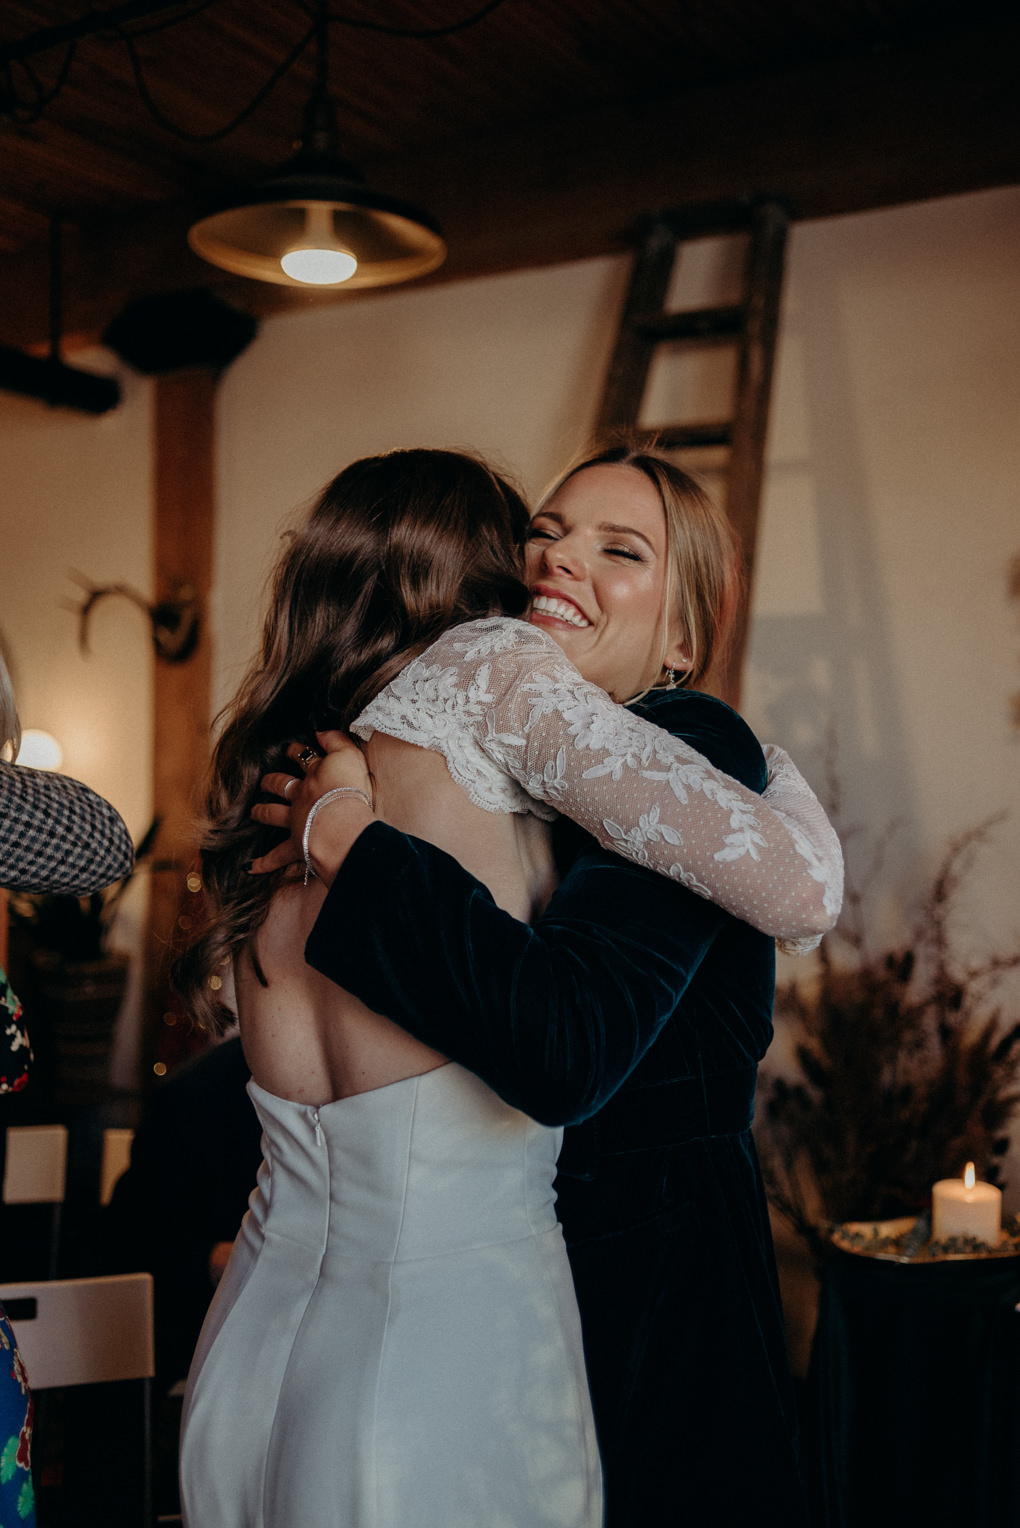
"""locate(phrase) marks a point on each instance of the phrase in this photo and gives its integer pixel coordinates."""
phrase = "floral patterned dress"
(55, 835)
(17, 1503)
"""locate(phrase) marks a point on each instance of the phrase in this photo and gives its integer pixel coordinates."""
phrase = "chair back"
(115, 1161)
(36, 1167)
(83, 1331)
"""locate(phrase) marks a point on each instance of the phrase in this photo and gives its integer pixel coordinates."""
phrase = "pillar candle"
(963, 1207)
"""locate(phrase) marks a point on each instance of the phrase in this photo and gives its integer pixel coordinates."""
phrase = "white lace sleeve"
(515, 720)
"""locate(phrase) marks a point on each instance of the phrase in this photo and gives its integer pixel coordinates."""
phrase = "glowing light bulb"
(39, 750)
(318, 259)
(319, 267)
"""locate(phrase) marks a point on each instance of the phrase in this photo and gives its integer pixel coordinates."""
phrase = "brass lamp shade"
(391, 240)
(319, 201)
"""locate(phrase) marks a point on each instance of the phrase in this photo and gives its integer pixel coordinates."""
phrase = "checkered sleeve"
(57, 835)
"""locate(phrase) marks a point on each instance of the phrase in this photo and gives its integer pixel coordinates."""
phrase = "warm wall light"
(40, 750)
(316, 222)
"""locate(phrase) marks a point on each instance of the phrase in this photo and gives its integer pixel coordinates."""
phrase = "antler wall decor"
(174, 622)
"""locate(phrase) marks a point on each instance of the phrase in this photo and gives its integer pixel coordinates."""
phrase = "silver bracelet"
(341, 790)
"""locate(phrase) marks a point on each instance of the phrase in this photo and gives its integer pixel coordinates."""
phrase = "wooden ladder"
(750, 326)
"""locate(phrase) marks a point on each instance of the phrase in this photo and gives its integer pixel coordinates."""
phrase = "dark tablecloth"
(914, 1395)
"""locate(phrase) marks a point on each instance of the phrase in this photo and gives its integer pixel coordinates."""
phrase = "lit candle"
(963, 1207)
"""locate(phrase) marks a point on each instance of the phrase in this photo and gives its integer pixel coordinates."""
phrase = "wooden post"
(754, 381)
(184, 494)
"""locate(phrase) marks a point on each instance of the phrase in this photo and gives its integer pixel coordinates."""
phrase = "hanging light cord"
(426, 32)
(27, 108)
(235, 122)
(25, 112)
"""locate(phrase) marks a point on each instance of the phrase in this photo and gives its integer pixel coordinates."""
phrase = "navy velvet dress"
(635, 1014)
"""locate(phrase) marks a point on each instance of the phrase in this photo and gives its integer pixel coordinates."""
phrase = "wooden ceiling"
(538, 133)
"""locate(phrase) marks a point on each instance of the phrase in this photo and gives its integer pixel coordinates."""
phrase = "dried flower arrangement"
(907, 1071)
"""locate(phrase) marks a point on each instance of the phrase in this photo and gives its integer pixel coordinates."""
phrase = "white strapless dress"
(395, 1342)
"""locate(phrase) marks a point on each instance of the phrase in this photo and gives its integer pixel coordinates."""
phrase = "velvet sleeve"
(521, 729)
(555, 1017)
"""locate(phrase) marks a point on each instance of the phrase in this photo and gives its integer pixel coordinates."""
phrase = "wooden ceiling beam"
(843, 136)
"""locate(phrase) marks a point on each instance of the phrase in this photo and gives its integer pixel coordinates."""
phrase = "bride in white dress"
(395, 1343)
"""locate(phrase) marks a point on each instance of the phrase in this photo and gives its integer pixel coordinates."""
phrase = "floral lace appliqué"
(522, 731)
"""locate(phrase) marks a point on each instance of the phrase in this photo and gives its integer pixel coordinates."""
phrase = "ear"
(678, 655)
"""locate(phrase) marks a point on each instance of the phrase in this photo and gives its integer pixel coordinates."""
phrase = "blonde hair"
(703, 568)
(10, 727)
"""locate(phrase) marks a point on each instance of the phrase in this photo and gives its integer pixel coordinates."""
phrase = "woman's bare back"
(305, 1038)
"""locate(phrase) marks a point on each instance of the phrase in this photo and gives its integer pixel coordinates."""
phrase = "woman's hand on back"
(340, 767)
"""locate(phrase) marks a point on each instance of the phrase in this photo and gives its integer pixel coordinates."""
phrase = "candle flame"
(968, 1176)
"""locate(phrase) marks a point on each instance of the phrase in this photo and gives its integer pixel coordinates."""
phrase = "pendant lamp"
(315, 223)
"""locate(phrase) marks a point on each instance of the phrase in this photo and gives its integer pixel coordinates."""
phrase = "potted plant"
(906, 1070)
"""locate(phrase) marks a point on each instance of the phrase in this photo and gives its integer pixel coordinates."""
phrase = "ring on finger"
(287, 788)
(306, 756)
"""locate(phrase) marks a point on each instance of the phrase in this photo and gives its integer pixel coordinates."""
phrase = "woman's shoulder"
(443, 701)
(452, 675)
(488, 637)
(467, 667)
(712, 727)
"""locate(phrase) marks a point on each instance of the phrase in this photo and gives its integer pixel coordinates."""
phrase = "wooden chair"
(36, 1173)
(86, 1332)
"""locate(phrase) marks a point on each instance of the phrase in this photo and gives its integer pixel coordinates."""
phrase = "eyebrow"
(603, 525)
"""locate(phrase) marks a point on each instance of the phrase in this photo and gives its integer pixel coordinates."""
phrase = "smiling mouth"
(562, 610)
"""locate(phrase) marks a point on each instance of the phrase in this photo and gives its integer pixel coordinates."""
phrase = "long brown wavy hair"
(397, 549)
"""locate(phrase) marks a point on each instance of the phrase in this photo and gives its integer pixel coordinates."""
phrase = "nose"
(563, 555)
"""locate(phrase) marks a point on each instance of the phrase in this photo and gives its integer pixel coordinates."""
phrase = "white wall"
(510, 366)
(882, 608)
(889, 517)
(76, 496)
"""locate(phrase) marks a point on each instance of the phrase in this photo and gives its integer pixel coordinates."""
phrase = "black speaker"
(175, 331)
